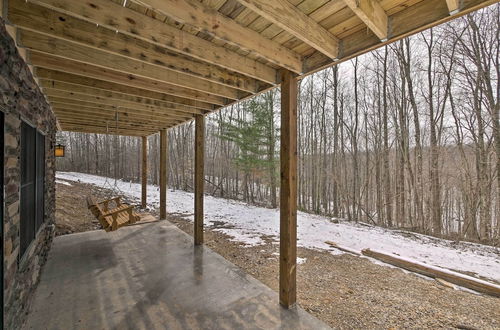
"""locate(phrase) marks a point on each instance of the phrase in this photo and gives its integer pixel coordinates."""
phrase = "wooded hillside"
(406, 136)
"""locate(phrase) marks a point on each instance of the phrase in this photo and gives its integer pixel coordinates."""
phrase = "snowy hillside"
(249, 223)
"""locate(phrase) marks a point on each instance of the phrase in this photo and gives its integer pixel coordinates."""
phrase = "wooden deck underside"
(134, 67)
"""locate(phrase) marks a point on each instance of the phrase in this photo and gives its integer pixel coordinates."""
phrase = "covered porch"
(138, 68)
(151, 276)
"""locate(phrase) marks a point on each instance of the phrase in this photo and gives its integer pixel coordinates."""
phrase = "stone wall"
(21, 99)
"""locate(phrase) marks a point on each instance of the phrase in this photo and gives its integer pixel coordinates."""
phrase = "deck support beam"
(199, 178)
(163, 174)
(144, 172)
(288, 191)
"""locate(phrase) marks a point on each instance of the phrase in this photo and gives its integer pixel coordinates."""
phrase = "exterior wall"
(21, 99)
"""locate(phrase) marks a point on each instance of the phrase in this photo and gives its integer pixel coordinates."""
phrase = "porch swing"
(121, 214)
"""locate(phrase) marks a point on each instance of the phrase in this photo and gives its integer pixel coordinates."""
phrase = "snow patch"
(64, 183)
(248, 224)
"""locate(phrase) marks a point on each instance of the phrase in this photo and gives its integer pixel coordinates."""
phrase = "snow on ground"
(247, 224)
(63, 182)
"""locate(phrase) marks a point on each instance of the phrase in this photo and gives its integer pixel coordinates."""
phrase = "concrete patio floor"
(151, 276)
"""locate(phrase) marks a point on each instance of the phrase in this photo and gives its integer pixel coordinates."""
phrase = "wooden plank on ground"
(436, 272)
(343, 248)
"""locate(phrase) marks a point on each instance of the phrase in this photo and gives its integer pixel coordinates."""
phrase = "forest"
(406, 136)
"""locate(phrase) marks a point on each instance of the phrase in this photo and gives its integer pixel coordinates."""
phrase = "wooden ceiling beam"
(120, 99)
(110, 112)
(52, 75)
(54, 100)
(64, 65)
(209, 20)
(372, 14)
(414, 19)
(81, 119)
(122, 116)
(105, 125)
(36, 18)
(100, 130)
(291, 19)
(118, 18)
(82, 54)
(453, 6)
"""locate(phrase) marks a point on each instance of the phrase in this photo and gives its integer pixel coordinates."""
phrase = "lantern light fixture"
(59, 150)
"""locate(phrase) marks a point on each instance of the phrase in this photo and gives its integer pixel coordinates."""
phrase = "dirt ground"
(345, 291)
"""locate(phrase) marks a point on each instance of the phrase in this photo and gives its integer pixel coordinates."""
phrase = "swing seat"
(112, 218)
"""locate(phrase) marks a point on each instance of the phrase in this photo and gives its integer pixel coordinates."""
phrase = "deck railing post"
(144, 172)
(163, 174)
(288, 191)
(199, 178)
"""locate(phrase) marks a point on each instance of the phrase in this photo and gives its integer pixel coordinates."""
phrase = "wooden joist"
(372, 14)
(210, 21)
(109, 111)
(32, 17)
(52, 62)
(453, 5)
(291, 19)
(68, 119)
(99, 129)
(76, 112)
(51, 75)
(82, 54)
(114, 98)
(413, 19)
(54, 93)
(124, 20)
(95, 105)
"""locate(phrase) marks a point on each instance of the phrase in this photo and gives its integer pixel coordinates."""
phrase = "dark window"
(40, 180)
(32, 184)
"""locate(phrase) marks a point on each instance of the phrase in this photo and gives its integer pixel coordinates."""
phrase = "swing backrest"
(94, 207)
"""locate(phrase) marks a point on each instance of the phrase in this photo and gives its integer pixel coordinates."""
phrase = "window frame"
(22, 256)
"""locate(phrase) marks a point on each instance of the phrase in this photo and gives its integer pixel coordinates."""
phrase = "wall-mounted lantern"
(59, 150)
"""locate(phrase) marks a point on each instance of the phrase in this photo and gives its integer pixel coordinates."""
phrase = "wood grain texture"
(140, 93)
(119, 18)
(82, 54)
(288, 190)
(219, 26)
(291, 19)
(144, 172)
(199, 178)
(372, 14)
(118, 99)
(47, 61)
(453, 5)
(163, 174)
(36, 18)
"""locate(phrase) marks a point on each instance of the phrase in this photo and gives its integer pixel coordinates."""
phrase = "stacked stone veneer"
(21, 99)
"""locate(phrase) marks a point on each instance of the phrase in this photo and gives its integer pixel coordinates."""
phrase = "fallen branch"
(436, 272)
(341, 248)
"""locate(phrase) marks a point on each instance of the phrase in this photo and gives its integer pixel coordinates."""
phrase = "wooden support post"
(199, 178)
(288, 191)
(144, 171)
(163, 174)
